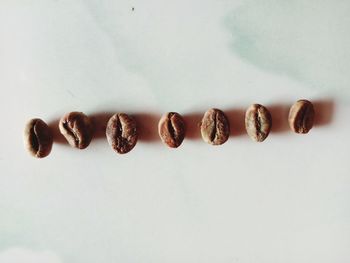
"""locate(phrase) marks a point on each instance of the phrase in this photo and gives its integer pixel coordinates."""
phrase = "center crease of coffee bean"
(71, 132)
(124, 138)
(171, 128)
(120, 128)
(302, 120)
(258, 123)
(34, 139)
(215, 128)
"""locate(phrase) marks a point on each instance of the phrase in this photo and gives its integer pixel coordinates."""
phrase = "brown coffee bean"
(121, 133)
(77, 128)
(171, 129)
(38, 138)
(258, 122)
(215, 127)
(301, 116)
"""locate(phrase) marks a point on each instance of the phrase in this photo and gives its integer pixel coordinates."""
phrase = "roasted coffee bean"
(171, 129)
(301, 116)
(77, 128)
(215, 127)
(38, 138)
(258, 122)
(121, 133)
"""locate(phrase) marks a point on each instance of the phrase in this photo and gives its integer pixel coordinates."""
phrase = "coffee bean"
(258, 122)
(38, 138)
(121, 133)
(301, 116)
(215, 127)
(77, 128)
(171, 129)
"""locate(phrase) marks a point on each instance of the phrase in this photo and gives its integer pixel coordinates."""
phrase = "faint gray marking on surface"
(304, 40)
(71, 93)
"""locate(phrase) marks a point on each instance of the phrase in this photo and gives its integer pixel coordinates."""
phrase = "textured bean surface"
(301, 116)
(77, 128)
(172, 129)
(121, 133)
(38, 138)
(215, 128)
(258, 122)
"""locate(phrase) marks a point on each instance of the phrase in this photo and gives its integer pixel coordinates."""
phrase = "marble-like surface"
(285, 200)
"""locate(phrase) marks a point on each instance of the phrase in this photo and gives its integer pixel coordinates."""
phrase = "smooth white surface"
(285, 200)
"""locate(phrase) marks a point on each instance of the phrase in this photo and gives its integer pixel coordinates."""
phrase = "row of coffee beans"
(121, 131)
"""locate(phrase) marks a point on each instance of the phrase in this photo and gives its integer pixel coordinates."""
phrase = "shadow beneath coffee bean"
(99, 121)
(192, 120)
(57, 136)
(236, 119)
(324, 111)
(147, 126)
(279, 114)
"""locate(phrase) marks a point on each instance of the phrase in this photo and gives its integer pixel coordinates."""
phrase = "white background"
(284, 200)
